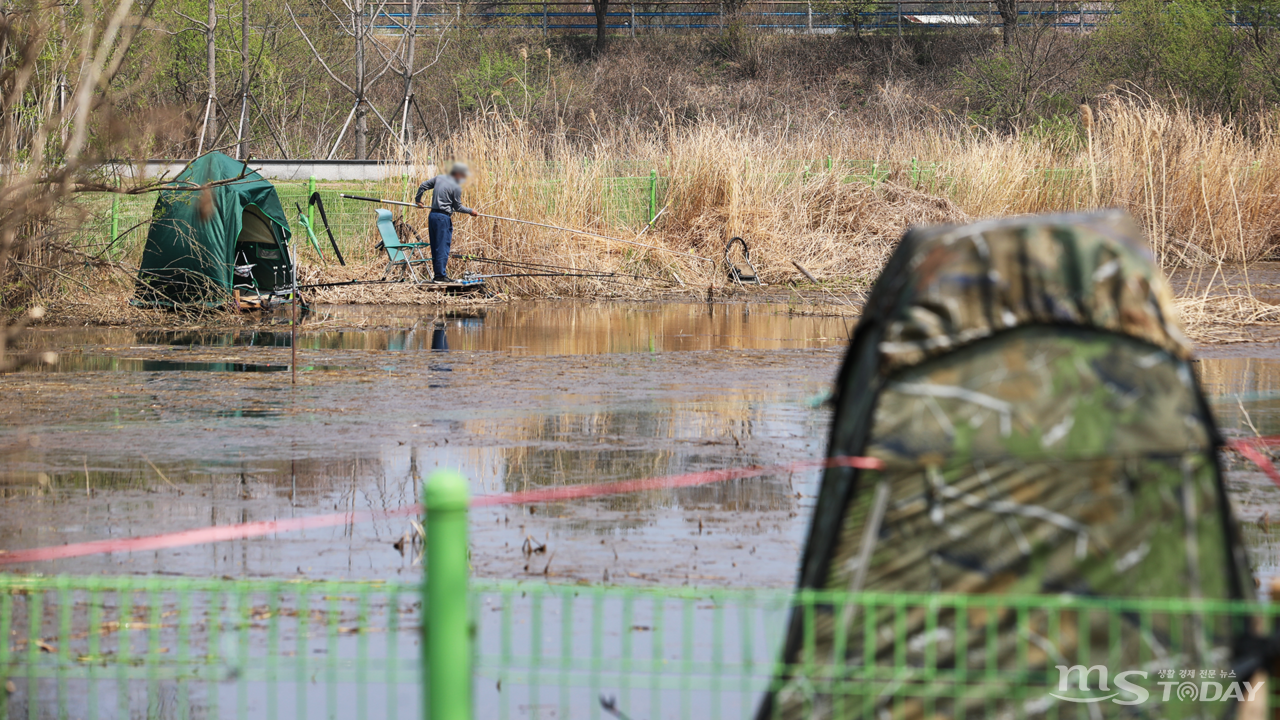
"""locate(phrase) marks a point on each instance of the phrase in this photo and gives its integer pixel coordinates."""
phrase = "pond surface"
(142, 432)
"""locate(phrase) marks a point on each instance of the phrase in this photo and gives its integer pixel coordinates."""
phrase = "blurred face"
(459, 177)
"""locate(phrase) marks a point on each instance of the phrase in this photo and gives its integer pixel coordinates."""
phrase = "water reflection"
(552, 401)
(106, 363)
(1240, 386)
(68, 496)
(95, 454)
(213, 338)
(527, 328)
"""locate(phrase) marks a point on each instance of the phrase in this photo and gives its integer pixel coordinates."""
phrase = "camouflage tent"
(1030, 392)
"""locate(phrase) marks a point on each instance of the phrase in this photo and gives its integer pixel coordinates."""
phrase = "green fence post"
(653, 193)
(446, 625)
(115, 222)
(311, 209)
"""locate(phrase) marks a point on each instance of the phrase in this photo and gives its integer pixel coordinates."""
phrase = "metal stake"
(293, 326)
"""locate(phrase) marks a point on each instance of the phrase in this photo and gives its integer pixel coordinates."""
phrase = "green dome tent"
(1031, 396)
(242, 243)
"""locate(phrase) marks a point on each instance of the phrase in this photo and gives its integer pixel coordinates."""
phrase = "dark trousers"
(440, 228)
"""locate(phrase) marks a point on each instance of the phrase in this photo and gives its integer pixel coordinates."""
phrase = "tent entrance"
(261, 259)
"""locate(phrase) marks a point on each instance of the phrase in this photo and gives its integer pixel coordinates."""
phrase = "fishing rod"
(601, 278)
(597, 276)
(524, 265)
(378, 200)
(649, 226)
(608, 277)
(349, 282)
(598, 235)
(544, 225)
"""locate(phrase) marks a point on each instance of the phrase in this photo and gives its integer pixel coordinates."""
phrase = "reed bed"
(1205, 189)
(1226, 314)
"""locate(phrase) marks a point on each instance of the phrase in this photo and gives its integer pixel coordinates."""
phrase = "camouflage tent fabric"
(1029, 390)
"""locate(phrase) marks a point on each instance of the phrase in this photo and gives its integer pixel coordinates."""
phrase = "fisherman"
(446, 199)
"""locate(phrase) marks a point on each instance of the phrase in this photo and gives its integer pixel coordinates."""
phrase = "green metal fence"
(164, 647)
(182, 648)
(126, 647)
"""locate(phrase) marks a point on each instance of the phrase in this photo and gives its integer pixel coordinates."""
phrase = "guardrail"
(163, 647)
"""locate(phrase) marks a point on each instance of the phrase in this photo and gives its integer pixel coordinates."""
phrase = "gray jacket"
(446, 196)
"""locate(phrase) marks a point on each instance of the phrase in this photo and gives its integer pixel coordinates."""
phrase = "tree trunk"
(243, 151)
(362, 124)
(362, 132)
(602, 23)
(406, 123)
(212, 100)
(1008, 10)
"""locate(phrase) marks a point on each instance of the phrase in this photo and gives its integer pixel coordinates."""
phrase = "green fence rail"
(166, 647)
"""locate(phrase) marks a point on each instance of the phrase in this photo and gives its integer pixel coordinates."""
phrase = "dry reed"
(1203, 188)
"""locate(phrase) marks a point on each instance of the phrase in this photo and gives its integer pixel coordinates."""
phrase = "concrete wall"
(291, 169)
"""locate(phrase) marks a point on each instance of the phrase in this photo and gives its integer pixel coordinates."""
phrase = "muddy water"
(142, 432)
(138, 432)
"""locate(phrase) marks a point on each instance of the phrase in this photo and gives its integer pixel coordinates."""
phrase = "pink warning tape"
(242, 531)
(1250, 448)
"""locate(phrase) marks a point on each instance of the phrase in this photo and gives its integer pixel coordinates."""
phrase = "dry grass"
(720, 185)
(1204, 189)
(108, 306)
(1233, 316)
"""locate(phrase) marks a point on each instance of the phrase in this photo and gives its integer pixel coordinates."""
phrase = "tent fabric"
(256, 227)
(1028, 387)
(187, 259)
(966, 283)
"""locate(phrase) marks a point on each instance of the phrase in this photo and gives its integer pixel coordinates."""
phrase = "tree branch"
(316, 52)
(192, 20)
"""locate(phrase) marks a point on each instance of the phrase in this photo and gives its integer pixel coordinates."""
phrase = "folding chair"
(400, 254)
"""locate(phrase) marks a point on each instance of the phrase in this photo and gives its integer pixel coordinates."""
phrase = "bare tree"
(1024, 80)
(209, 27)
(354, 22)
(407, 50)
(242, 146)
(51, 83)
